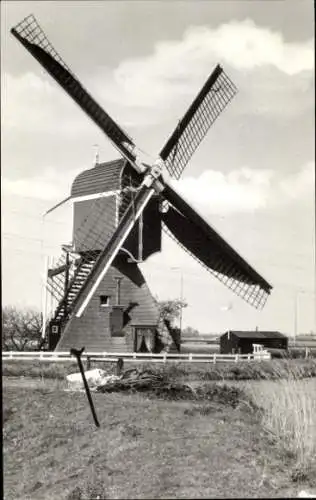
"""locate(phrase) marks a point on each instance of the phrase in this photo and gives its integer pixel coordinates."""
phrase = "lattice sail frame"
(215, 95)
(31, 35)
(253, 294)
(30, 30)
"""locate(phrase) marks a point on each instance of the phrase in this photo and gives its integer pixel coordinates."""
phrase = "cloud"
(240, 190)
(244, 45)
(34, 102)
(300, 185)
(274, 77)
(175, 70)
(50, 185)
(246, 189)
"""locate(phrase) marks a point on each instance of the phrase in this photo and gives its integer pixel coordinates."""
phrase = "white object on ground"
(307, 494)
(94, 378)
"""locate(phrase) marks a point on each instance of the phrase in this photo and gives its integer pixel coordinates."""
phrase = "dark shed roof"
(103, 177)
(257, 334)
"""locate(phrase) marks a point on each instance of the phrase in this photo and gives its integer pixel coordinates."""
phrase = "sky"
(252, 178)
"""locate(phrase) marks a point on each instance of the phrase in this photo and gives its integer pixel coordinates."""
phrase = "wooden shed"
(242, 342)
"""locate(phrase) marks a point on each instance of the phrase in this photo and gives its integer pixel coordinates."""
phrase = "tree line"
(21, 329)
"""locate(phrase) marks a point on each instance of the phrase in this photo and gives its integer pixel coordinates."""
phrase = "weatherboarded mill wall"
(242, 341)
(111, 323)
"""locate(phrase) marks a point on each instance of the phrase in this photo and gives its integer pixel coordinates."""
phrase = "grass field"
(153, 448)
(144, 449)
(290, 416)
(275, 369)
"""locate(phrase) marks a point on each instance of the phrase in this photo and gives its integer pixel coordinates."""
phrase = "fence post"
(119, 367)
(88, 362)
(164, 357)
(236, 358)
(248, 357)
(214, 359)
(190, 357)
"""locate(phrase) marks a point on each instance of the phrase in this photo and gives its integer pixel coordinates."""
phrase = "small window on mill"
(104, 300)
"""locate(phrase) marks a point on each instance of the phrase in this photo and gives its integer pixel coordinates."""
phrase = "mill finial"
(96, 155)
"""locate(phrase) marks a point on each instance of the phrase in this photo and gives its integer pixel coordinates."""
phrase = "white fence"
(134, 356)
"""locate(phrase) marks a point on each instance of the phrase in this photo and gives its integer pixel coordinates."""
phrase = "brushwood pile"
(156, 384)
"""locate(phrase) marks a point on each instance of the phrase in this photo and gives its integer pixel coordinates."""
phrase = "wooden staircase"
(67, 298)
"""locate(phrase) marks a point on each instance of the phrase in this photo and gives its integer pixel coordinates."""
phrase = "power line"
(15, 235)
(276, 286)
(37, 217)
(278, 265)
(29, 238)
(222, 217)
(23, 251)
(267, 261)
(38, 200)
(39, 251)
(266, 249)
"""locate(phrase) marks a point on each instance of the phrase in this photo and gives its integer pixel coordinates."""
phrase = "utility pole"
(44, 280)
(296, 293)
(66, 283)
(181, 294)
(296, 310)
(181, 298)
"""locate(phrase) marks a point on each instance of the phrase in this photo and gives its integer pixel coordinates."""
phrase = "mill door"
(54, 334)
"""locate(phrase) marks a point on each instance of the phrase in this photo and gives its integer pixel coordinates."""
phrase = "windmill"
(120, 209)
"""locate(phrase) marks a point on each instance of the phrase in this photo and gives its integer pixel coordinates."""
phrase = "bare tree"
(21, 328)
(170, 309)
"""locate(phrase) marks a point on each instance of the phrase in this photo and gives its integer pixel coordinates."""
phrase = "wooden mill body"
(116, 318)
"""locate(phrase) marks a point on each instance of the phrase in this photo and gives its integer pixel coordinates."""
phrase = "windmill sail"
(32, 37)
(213, 98)
(203, 243)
